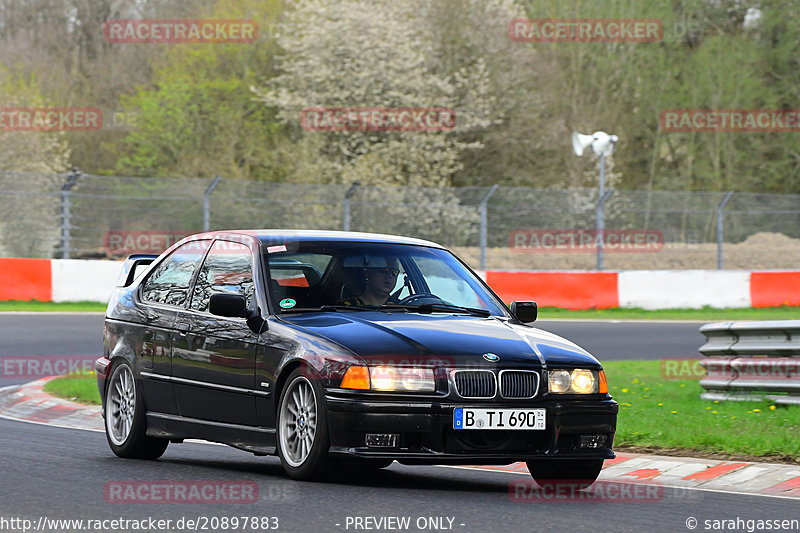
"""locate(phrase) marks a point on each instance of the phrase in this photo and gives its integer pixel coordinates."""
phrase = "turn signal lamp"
(356, 377)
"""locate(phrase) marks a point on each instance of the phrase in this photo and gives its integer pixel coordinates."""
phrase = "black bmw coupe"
(334, 348)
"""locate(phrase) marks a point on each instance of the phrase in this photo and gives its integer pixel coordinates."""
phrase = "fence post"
(72, 179)
(207, 202)
(601, 226)
(346, 206)
(720, 208)
(484, 224)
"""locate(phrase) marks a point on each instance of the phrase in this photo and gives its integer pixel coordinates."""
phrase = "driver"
(379, 282)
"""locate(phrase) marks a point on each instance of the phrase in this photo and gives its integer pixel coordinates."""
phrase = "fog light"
(592, 441)
(381, 440)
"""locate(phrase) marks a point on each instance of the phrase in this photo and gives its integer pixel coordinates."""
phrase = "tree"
(394, 56)
(28, 161)
(199, 117)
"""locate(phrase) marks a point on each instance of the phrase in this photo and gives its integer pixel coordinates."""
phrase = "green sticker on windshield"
(287, 303)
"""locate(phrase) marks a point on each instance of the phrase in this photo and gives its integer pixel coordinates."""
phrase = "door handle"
(183, 329)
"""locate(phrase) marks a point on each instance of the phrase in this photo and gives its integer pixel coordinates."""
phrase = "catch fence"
(71, 215)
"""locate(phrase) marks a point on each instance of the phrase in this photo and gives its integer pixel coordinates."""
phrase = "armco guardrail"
(752, 360)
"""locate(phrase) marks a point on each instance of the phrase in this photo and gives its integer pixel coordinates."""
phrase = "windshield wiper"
(343, 307)
(422, 308)
(330, 307)
(429, 308)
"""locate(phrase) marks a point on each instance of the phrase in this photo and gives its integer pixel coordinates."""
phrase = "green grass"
(37, 306)
(708, 314)
(657, 413)
(79, 387)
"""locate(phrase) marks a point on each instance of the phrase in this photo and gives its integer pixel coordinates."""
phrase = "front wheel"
(557, 472)
(126, 428)
(303, 440)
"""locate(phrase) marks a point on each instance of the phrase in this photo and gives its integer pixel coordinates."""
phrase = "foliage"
(198, 118)
(516, 103)
(28, 160)
(707, 59)
(28, 151)
(395, 56)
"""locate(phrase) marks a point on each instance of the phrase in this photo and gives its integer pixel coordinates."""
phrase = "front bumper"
(426, 435)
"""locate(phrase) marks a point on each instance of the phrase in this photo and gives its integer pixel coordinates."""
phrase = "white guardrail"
(752, 360)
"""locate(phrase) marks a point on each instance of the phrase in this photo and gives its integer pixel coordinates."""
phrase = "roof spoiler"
(133, 266)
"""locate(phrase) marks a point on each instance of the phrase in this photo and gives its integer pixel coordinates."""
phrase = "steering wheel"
(419, 296)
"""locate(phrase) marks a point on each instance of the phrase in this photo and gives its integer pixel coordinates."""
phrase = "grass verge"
(656, 415)
(668, 416)
(44, 307)
(707, 314)
(79, 387)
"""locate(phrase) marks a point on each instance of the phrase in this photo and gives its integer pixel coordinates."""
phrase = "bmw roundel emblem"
(491, 357)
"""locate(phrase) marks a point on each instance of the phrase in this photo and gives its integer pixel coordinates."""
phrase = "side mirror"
(232, 305)
(525, 311)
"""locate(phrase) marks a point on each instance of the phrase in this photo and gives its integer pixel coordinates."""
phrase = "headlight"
(576, 381)
(398, 378)
(389, 378)
(584, 382)
(559, 380)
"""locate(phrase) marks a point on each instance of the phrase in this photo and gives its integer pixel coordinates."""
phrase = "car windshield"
(351, 276)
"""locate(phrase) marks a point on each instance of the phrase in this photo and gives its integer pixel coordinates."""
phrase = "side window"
(169, 283)
(228, 268)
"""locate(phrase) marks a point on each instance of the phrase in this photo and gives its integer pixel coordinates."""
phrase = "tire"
(555, 472)
(126, 428)
(303, 440)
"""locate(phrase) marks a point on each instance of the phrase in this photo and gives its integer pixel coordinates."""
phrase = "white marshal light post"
(602, 144)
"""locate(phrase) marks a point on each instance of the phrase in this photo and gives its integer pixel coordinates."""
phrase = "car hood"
(463, 338)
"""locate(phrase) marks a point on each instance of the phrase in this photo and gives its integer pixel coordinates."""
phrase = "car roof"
(277, 236)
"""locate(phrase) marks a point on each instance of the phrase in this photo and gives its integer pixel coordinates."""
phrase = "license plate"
(464, 418)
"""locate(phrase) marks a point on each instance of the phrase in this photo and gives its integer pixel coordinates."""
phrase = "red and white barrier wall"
(65, 280)
(57, 280)
(649, 289)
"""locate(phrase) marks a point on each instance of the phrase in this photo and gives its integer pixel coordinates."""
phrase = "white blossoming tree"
(366, 53)
(385, 54)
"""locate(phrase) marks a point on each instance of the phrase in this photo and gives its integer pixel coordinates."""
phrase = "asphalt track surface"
(80, 334)
(61, 473)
